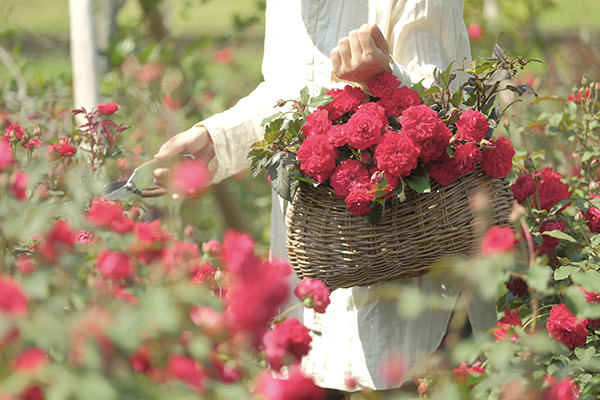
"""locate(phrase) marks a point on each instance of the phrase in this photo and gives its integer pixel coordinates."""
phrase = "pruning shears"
(120, 189)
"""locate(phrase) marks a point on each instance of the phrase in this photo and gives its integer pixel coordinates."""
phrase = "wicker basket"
(327, 242)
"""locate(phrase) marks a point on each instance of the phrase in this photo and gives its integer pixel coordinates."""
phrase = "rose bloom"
(399, 101)
(59, 238)
(211, 246)
(517, 287)
(358, 200)
(551, 190)
(443, 170)
(63, 148)
(317, 157)
(509, 320)
(110, 215)
(472, 125)
(190, 177)
(32, 393)
(383, 84)
(347, 175)
(180, 256)
(6, 157)
(592, 219)
(313, 293)
(287, 343)
(344, 100)
(419, 122)
(13, 131)
(565, 389)
(467, 157)
(434, 147)
(498, 240)
(140, 360)
(523, 188)
(24, 264)
(18, 185)
(83, 236)
(187, 370)
(462, 372)
(115, 265)
(12, 298)
(31, 143)
(337, 135)
(317, 123)
(565, 327)
(30, 360)
(591, 297)
(107, 108)
(223, 56)
(397, 154)
(475, 31)
(295, 387)
(497, 162)
(549, 243)
(365, 126)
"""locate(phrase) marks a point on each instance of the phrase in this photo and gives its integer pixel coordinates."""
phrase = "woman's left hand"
(361, 55)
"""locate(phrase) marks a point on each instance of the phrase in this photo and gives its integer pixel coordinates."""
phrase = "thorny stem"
(285, 312)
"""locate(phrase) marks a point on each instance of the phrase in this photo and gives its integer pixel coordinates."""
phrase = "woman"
(305, 40)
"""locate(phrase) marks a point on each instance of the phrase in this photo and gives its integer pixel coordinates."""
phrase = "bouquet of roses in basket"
(369, 146)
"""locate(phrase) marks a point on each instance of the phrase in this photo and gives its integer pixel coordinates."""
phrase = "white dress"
(359, 332)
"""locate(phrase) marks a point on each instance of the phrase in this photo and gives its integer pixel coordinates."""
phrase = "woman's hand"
(195, 141)
(361, 55)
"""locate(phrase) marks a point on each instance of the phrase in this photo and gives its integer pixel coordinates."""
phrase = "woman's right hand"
(195, 141)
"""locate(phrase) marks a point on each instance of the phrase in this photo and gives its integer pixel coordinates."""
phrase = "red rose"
(337, 135)
(462, 372)
(365, 126)
(591, 297)
(443, 170)
(565, 327)
(181, 256)
(59, 238)
(83, 236)
(13, 131)
(472, 125)
(419, 122)
(348, 174)
(592, 219)
(467, 157)
(358, 200)
(32, 393)
(18, 184)
(434, 147)
(30, 360)
(187, 370)
(115, 265)
(211, 247)
(317, 123)
(497, 161)
(317, 157)
(12, 298)
(383, 84)
(32, 143)
(140, 360)
(344, 100)
(399, 100)
(107, 108)
(549, 242)
(551, 190)
(523, 188)
(287, 343)
(295, 387)
(313, 293)
(110, 215)
(190, 178)
(397, 154)
(518, 287)
(6, 157)
(64, 148)
(498, 240)
(24, 264)
(565, 389)
(152, 240)
(505, 323)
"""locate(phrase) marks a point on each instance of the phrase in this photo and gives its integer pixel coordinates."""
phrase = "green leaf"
(320, 100)
(272, 118)
(457, 98)
(538, 277)
(559, 235)
(564, 271)
(279, 171)
(304, 96)
(590, 280)
(419, 183)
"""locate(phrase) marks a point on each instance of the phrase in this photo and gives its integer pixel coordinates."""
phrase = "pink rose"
(365, 126)
(317, 157)
(472, 125)
(313, 293)
(347, 175)
(497, 161)
(397, 154)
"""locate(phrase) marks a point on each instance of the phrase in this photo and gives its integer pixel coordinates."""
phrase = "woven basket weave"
(327, 242)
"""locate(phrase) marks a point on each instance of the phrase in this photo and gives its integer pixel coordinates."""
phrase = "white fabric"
(358, 332)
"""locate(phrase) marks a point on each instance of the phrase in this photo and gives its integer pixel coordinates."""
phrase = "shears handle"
(153, 192)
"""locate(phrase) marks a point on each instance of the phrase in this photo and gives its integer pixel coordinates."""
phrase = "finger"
(176, 145)
(345, 54)
(379, 39)
(367, 42)
(336, 59)
(161, 173)
(206, 154)
(355, 48)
